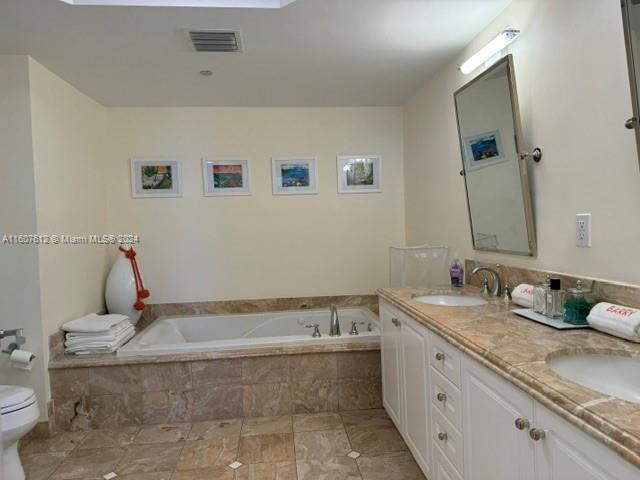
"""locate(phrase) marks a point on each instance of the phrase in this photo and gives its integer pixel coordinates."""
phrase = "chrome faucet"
(334, 326)
(496, 289)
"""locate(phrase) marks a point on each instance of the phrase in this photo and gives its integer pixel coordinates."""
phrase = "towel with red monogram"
(617, 320)
(523, 295)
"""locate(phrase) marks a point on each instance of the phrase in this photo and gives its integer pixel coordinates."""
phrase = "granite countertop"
(518, 349)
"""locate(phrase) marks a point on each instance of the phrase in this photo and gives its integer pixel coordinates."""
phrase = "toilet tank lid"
(13, 397)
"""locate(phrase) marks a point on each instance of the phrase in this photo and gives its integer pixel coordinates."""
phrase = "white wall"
(198, 248)
(69, 132)
(574, 98)
(19, 280)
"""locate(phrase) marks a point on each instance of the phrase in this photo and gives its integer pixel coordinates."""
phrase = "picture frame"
(294, 175)
(155, 178)
(225, 177)
(483, 150)
(359, 173)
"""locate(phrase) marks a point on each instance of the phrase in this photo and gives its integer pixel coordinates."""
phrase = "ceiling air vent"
(215, 40)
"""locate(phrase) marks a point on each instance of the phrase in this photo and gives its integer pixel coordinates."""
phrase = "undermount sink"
(611, 375)
(451, 300)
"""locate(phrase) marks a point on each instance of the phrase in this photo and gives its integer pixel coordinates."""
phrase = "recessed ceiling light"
(186, 3)
(206, 73)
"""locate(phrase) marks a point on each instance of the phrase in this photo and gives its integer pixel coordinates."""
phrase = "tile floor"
(290, 447)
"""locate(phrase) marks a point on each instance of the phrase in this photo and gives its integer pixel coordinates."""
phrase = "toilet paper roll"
(22, 359)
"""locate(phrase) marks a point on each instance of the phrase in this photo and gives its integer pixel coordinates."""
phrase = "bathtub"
(211, 333)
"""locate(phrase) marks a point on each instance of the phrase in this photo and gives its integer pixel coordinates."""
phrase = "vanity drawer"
(445, 358)
(446, 398)
(447, 438)
(442, 468)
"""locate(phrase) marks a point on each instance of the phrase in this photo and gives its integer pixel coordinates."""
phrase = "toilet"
(18, 415)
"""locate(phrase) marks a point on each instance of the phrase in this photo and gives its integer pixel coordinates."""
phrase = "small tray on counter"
(551, 322)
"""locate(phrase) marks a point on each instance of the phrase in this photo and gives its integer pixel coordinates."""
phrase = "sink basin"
(611, 375)
(451, 300)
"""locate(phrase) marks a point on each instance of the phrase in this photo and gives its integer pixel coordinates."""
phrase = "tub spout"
(334, 326)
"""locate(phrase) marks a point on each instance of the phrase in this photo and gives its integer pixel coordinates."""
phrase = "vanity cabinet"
(462, 421)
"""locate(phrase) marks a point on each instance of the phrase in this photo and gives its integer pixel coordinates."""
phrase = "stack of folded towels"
(95, 333)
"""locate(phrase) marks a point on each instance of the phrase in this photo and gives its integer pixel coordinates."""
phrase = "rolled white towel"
(617, 320)
(523, 295)
(93, 323)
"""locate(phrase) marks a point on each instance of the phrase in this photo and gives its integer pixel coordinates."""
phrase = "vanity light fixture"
(492, 48)
(185, 3)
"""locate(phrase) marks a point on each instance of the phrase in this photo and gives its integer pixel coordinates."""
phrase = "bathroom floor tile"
(338, 468)
(276, 447)
(321, 444)
(175, 432)
(267, 471)
(266, 425)
(215, 429)
(147, 476)
(39, 466)
(317, 421)
(398, 467)
(199, 454)
(150, 458)
(375, 441)
(119, 437)
(60, 442)
(366, 418)
(211, 473)
(89, 463)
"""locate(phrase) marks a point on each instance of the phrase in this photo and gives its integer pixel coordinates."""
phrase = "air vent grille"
(215, 40)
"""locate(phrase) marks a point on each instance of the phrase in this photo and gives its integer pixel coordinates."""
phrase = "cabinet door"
(566, 453)
(415, 371)
(391, 361)
(494, 449)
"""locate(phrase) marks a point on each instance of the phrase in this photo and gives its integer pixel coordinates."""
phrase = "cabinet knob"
(439, 356)
(536, 434)
(441, 397)
(522, 423)
(442, 436)
(395, 321)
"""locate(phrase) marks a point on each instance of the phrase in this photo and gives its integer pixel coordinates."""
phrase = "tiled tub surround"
(517, 349)
(100, 397)
(283, 447)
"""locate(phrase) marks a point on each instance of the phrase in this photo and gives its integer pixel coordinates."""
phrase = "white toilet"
(18, 415)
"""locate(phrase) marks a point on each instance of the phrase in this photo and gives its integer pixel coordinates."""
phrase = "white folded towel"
(93, 323)
(617, 320)
(107, 338)
(100, 347)
(112, 333)
(523, 295)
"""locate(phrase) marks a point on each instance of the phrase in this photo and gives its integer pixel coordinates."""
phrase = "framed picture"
(483, 150)
(359, 174)
(294, 175)
(155, 178)
(225, 177)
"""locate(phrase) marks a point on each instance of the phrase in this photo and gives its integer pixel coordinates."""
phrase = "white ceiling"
(309, 53)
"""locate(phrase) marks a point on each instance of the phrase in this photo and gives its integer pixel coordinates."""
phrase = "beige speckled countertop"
(518, 349)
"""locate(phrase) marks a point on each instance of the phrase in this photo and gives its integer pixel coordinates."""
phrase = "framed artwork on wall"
(152, 178)
(359, 173)
(225, 177)
(483, 150)
(294, 175)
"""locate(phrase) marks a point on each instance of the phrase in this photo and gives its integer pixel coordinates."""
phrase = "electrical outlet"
(583, 230)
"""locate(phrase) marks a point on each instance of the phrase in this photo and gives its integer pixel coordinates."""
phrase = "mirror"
(496, 180)
(631, 22)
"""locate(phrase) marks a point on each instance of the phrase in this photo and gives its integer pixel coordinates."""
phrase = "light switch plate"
(583, 230)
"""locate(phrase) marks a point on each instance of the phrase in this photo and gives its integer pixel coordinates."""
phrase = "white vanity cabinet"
(463, 421)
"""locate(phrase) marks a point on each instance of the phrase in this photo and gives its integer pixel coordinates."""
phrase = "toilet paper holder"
(18, 333)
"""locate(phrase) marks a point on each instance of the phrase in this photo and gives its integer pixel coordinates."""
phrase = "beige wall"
(574, 99)
(209, 248)
(19, 280)
(69, 152)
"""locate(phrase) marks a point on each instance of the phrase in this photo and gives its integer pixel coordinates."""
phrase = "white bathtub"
(210, 333)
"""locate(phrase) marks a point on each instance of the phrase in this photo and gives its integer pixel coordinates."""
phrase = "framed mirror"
(495, 173)
(631, 22)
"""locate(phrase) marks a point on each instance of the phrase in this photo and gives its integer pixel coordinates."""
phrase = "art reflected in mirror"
(496, 179)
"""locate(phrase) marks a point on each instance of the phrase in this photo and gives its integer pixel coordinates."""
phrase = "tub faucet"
(334, 326)
(496, 288)
(316, 330)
